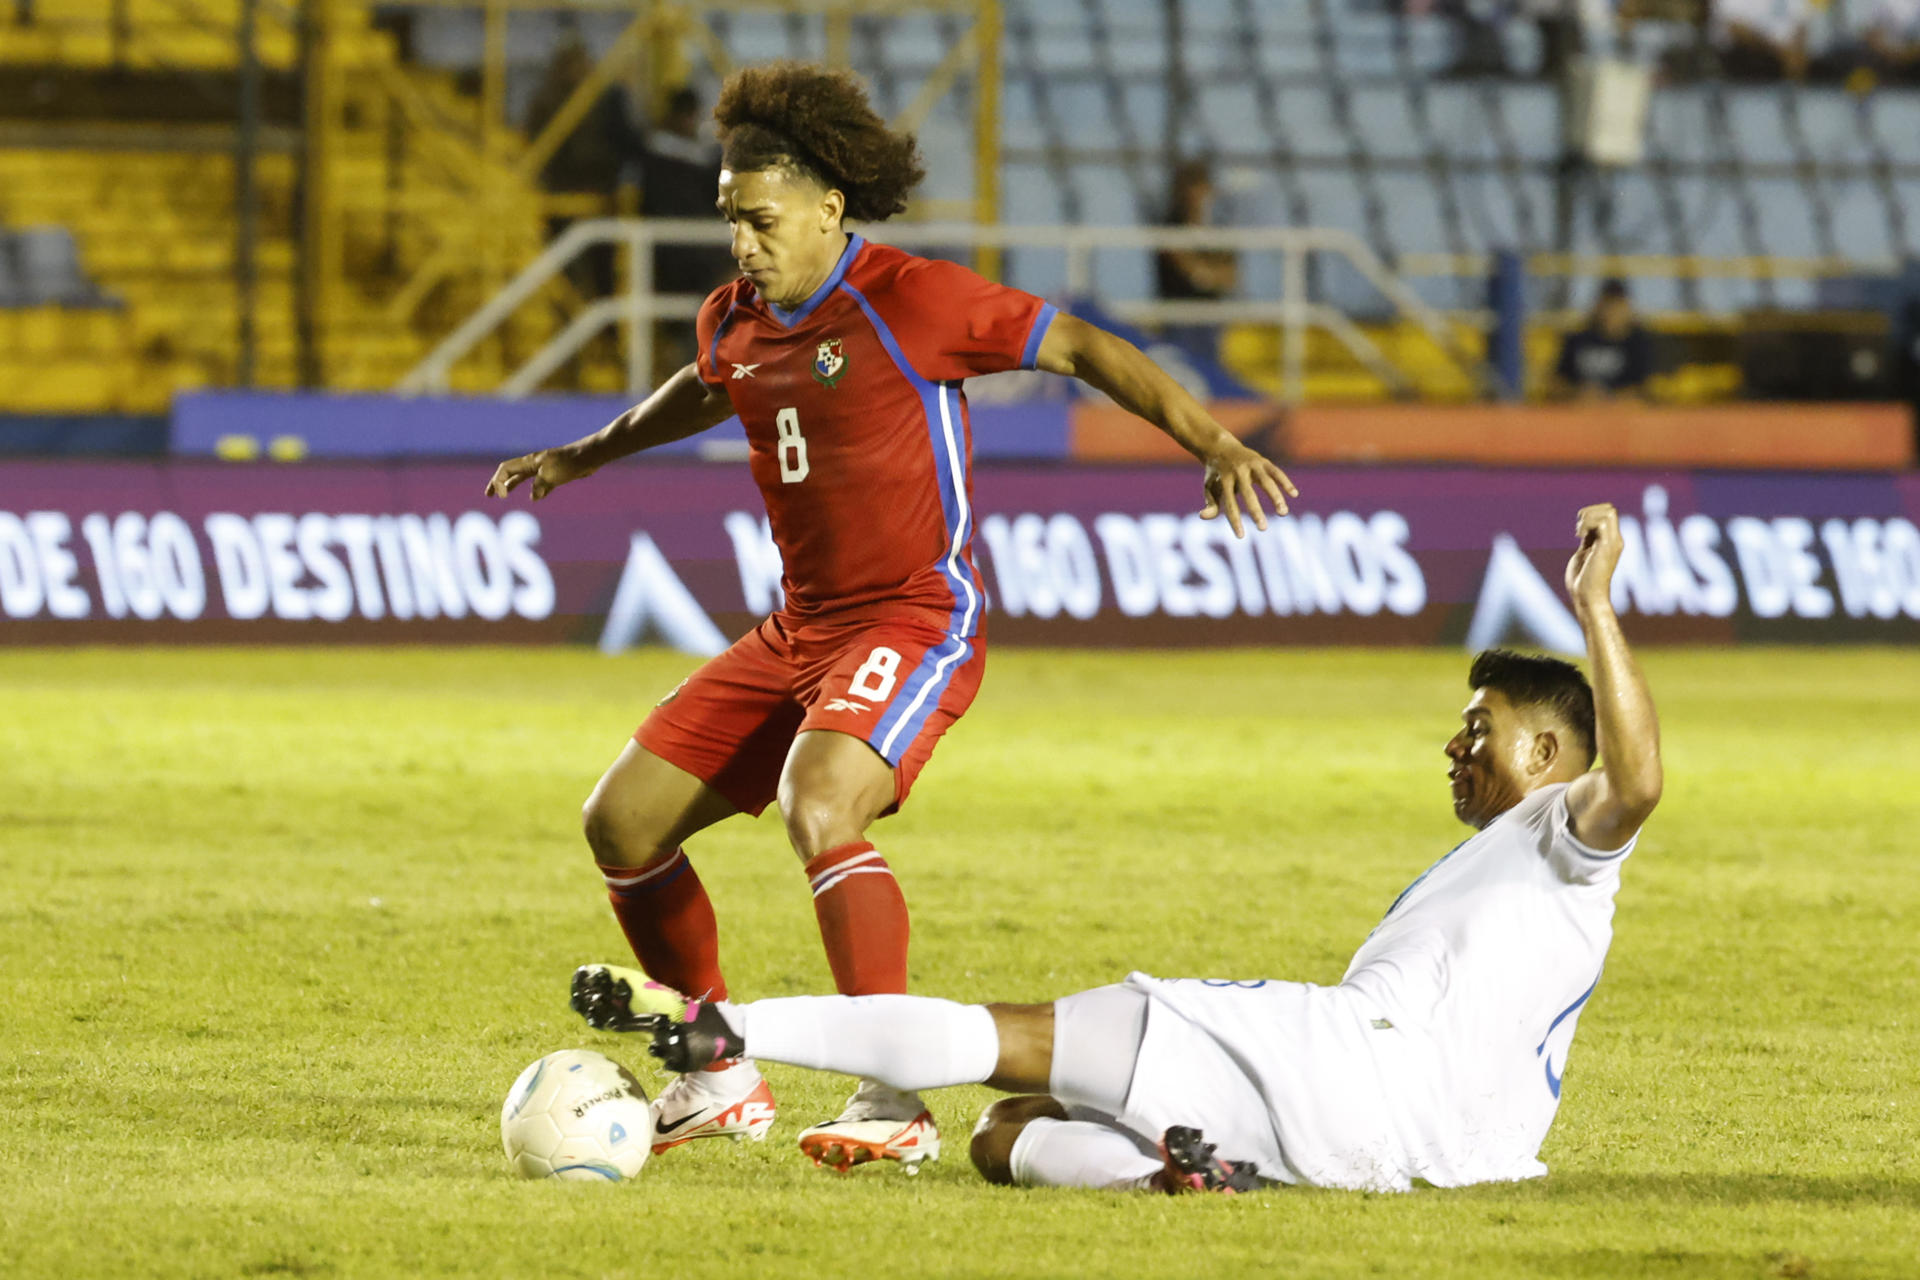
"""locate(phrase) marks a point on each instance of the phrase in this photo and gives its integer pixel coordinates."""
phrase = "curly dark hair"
(818, 123)
(1536, 680)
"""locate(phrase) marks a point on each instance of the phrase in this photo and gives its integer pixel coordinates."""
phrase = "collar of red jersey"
(827, 286)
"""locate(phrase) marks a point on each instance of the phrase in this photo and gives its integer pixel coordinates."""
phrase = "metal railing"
(1294, 312)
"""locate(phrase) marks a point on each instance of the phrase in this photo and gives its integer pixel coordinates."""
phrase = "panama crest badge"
(829, 362)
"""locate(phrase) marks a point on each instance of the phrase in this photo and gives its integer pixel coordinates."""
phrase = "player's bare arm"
(1610, 803)
(1236, 475)
(684, 406)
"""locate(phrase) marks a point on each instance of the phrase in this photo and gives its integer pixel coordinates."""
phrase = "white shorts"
(1123, 1059)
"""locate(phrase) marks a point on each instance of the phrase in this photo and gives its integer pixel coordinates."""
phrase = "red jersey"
(858, 427)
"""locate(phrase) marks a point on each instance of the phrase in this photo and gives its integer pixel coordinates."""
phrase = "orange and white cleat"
(732, 1103)
(878, 1124)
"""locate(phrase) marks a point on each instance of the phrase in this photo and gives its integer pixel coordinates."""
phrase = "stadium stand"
(1337, 112)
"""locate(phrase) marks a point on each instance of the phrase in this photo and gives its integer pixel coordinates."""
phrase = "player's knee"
(1000, 1127)
(618, 835)
(818, 819)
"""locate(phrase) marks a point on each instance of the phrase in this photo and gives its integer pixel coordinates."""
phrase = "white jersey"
(1440, 1054)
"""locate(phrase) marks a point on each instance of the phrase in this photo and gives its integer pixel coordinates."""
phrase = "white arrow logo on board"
(651, 597)
(1514, 597)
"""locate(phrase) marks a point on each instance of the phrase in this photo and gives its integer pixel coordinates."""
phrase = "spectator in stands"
(679, 172)
(1761, 40)
(1893, 41)
(1193, 274)
(1611, 355)
(589, 160)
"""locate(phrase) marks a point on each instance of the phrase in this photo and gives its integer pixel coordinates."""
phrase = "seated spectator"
(1761, 40)
(1611, 356)
(588, 160)
(1193, 274)
(1893, 41)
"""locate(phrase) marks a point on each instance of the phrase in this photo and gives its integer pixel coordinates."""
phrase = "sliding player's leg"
(879, 699)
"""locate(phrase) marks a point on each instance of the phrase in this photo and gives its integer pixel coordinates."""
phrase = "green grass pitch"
(279, 928)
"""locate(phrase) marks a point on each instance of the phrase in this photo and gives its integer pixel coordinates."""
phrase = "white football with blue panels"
(578, 1116)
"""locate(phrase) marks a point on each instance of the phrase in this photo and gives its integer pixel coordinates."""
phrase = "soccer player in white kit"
(1438, 1057)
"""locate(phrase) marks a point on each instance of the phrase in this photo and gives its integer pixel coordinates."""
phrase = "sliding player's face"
(1496, 758)
(786, 231)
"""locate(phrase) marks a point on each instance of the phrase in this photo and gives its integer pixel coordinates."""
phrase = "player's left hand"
(1590, 571)
(1235, 477)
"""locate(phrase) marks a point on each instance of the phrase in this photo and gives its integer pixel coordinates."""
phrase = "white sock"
(908, 1042)
(1078, 1153)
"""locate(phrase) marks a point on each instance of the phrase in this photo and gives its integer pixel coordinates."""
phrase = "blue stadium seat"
(1458, 119)
(1229, 113)
(1058, 46)
(1363, 43)
(1532, 116)
(1710, 216)
(1860, 229)
(1020, 125)
(912, 42)
(1086, 119)
(1896, 117)
(1525, 53)
(48, 265)
(1639, 218)
(1146, 109)
(1041, 271)
(1123, 274)
(1431, 45)
(1758, 127)
(1413, 213)
(1383, 118)
(1306, 117)
(1489, 219)
(1678, 126)
(1209, 55)
(757, 36)
(1787, 228)
(1835, 129)
(1285, 32)
(1030, 195)
(1334, 199)
(1108, 197)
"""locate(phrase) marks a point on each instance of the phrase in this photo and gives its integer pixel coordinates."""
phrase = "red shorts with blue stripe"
(894, 683)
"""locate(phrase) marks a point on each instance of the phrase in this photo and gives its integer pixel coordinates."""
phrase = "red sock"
(664, 911)
(863, 920)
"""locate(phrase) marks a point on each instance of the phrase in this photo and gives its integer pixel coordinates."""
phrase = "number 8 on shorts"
(877, 675)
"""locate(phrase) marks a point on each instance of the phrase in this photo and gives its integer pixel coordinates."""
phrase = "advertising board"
(1079, 555)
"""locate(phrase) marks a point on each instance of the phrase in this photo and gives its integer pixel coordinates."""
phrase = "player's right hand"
(548, 469)
(1590, 571)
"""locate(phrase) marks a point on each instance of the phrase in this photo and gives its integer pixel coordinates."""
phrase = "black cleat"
(1192, 1166)
(611, 998)
(698, 1038)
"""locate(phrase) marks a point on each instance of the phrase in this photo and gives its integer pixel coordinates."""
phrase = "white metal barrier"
(638, 307)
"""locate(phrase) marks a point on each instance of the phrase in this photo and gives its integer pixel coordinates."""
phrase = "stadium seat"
(1431, 44)
(1412, 211)
(1679, 128)
(1020, 123)
(1307, 120)
(1230, 113)
(1896, 119)
(1758, 127)
(1531, 113)
(912, 42)
(1787, 228)
(1383, 118)
(1835, 127)
(1363, 43)
(1108, 196)
(48, 262)
(1086, 116)
(1146, 105)
(1860, 228)
(1458, 119)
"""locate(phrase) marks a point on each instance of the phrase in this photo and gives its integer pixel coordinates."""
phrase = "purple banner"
(679, 553)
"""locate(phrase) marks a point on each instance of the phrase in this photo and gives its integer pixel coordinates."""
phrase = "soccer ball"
(578, 1116)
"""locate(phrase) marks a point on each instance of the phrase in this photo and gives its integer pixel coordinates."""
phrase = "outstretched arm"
(1235, 473)
(1610, 803)
(682, 407)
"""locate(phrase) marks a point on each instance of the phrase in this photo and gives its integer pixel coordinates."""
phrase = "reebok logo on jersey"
(829, 362)
(743, 370)
(847, 704)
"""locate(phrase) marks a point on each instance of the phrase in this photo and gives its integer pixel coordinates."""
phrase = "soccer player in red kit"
(844, 361)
